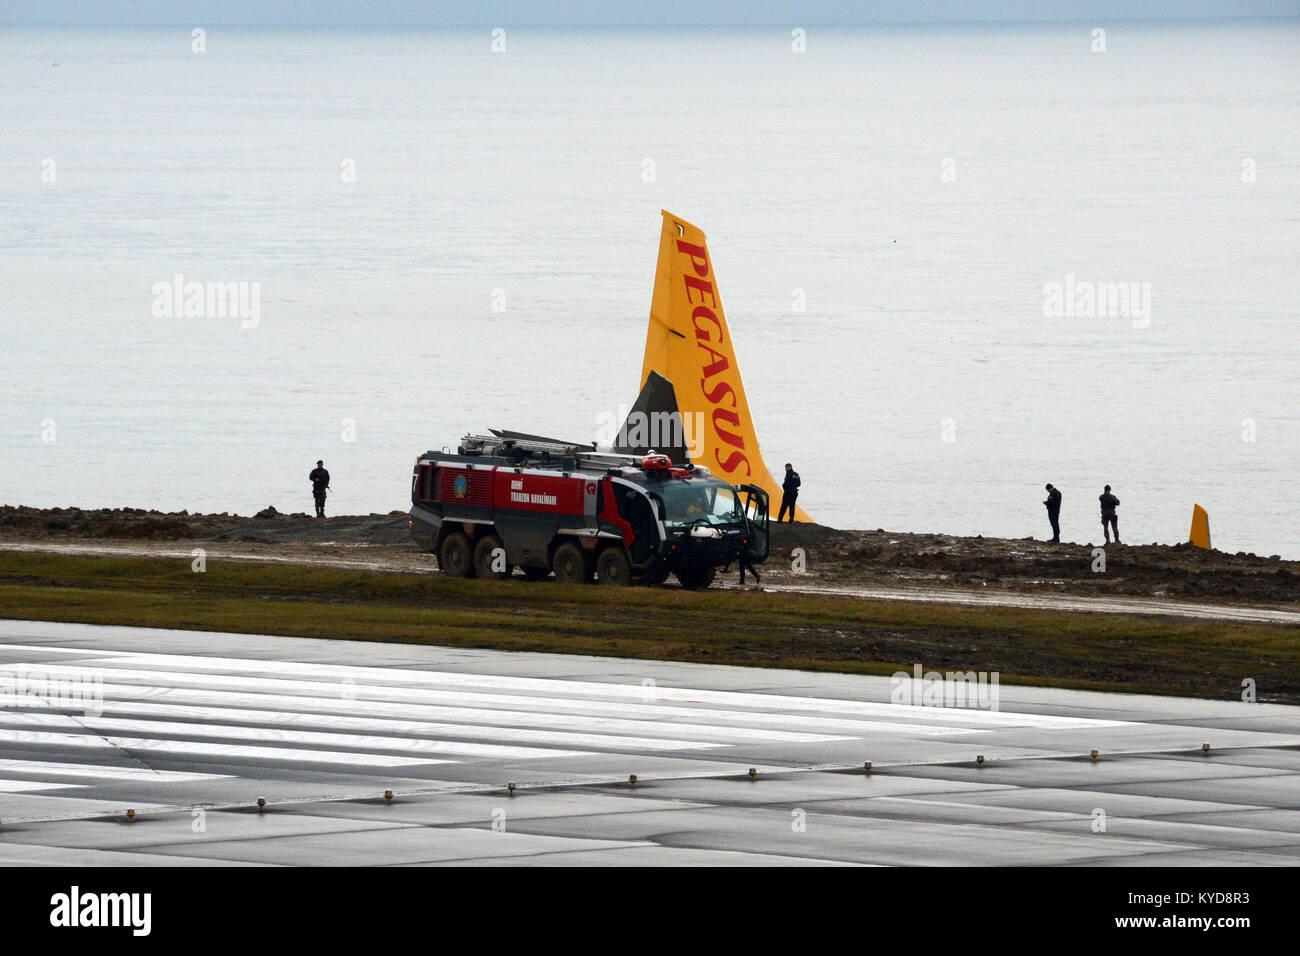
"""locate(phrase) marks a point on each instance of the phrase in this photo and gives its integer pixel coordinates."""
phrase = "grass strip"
(1098, 651)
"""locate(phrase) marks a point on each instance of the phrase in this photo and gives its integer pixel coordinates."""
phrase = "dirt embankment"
(138, 524)
(831, 556)
(935, 560)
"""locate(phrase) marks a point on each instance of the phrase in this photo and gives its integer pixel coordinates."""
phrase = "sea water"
(439, 237)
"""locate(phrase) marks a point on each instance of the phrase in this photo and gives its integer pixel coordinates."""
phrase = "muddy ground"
(831, 556)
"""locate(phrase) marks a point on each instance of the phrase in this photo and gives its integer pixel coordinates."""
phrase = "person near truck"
(320, 483)
(1109, 519)
(789, 493)
(1053, 504)
(746, 564)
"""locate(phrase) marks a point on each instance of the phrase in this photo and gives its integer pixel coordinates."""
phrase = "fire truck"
(506, 501)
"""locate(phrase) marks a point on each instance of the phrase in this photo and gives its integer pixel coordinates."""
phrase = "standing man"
(320, 482)
(1109, 519)
(1053, 504)
(789, 493)
(746, 564)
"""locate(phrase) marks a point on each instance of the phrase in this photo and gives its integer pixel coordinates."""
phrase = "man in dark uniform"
(789, 493)
(1109, 517)
(746, 564)
(1053, 503)
(320, 482)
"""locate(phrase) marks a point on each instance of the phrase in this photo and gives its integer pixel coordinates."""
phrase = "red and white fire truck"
(545, 507)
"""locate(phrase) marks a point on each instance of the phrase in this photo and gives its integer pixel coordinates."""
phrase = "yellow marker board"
(689, 344)
(1200, 535)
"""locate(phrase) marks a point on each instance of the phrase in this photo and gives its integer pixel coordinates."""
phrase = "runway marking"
(465, 719)
(49, 767)
(943, 717)
(347, 722)
(51, 649)
(158, 728)
(241, 710)
(195, 748)
(22, 786)
(402, 676)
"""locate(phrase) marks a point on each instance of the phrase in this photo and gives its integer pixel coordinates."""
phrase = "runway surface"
(189, 729)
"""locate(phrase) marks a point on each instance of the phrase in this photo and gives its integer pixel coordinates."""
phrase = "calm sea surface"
(884, 212)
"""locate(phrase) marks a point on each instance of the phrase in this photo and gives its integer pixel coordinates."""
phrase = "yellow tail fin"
(1200, 535)
(689, 344)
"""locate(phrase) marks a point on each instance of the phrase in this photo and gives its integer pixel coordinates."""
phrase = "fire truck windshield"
(686, 501)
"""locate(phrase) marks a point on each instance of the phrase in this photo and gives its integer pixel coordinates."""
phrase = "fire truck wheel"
(572, 565)
(695, 578)
(483, 559)
(612, 567)
(455, 557)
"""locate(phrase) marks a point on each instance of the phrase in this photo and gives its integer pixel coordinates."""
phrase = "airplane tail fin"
(689, 344)
(655, 422)
(1200, 535)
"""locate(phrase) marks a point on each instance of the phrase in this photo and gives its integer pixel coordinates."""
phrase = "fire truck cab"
(548, 507)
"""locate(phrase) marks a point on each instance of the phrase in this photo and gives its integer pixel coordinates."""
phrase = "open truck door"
(755, 502)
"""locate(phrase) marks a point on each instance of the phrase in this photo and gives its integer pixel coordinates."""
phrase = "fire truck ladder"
(523, 449)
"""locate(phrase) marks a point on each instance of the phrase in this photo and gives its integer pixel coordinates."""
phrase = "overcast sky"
(565, 13)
